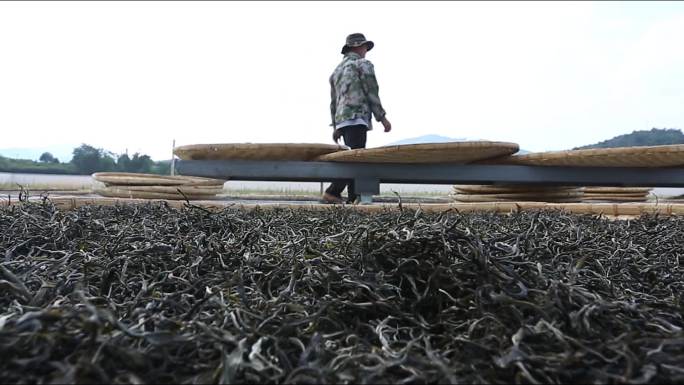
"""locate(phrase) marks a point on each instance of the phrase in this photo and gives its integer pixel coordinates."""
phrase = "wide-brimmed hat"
(356, 40)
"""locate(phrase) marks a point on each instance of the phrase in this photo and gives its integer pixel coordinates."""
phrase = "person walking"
(353, 98)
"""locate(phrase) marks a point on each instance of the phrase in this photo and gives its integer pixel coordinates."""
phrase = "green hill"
(654, 137)
(30, 166)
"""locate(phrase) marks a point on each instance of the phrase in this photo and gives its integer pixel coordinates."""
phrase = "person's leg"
(333, 193)
(354, 137)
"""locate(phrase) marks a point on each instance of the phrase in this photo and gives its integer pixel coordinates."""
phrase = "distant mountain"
(439, 139)
(63, 152)
(654, 137)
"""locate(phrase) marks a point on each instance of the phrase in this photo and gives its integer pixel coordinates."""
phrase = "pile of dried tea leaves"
(152, 294)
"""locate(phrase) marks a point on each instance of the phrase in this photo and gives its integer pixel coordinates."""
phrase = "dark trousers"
(354, 137)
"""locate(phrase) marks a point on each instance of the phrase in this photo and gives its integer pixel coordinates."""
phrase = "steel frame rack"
(368, 176)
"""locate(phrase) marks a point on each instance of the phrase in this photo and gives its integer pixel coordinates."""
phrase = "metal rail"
(368, 176)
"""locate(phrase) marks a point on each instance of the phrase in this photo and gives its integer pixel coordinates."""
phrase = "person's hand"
(387, 124)
(336, 135)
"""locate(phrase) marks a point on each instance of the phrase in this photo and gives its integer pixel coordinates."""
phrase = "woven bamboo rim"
(621, 190)
(628, 195)
(500, 198)
(538, 200)
(503, 189)
(615, 199)
(645, 156)
(114, 192)
(136, 179)
(256, 151)
(188, 190)
(526, 195)
(452, 152)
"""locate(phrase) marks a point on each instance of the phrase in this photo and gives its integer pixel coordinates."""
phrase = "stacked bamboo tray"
(552, 194)
(637, 156)
(616, 194)
(151, 186)
(516, 193)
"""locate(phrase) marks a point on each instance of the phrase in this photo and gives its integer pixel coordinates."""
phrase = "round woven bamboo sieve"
(628, 195)
(452, 152)
(619, 190)
(526, 194)
(256, 151)
(508, 198)
(614, 198)
(118, 192)
(136, 179)
(646, 156)
(512, 188)
(188, 190)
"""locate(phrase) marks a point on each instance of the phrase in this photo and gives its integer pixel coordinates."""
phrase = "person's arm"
(370, 84)
(333, 110)
(333, 102)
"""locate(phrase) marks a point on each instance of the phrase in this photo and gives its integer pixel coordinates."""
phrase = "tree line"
(86, 160)
(653, 137)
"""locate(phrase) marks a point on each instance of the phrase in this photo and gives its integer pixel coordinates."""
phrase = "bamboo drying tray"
(510, 198)
(618, 190)
(645, 156)
(139, 179)
(511, 188)
(256, 151)
(119, 192)
(525, 194)
(188, 190)
(452, 152)
(628, 195)
(615, 198)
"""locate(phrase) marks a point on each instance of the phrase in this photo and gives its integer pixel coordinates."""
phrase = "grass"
(44, 186)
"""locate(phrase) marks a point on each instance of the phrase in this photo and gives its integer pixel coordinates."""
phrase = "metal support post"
(173, 158)
(366, 187)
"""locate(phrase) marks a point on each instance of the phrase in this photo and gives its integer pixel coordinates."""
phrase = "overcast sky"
(136, 75)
